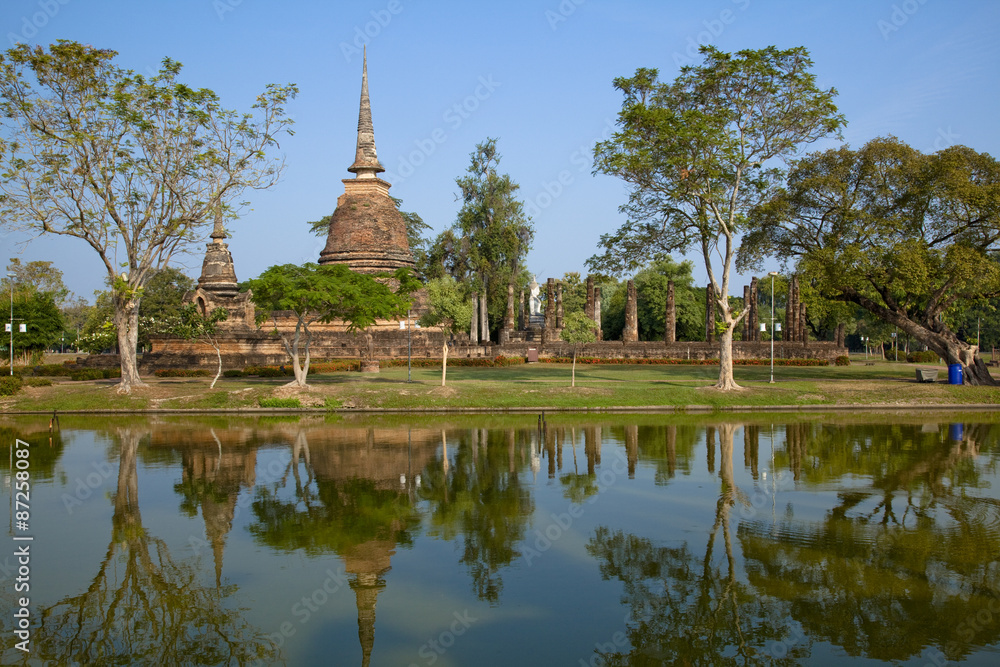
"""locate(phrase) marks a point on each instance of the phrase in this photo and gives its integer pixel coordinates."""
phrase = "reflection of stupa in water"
(213, 479)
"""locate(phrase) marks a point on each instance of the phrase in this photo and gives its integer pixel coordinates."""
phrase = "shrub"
(923, 357)
(87, 374)
(280, 403)
(182, 372)
(10, 384)
(232, 373)
(37, 382)
(842, 360)
(53, 370)
(264, 371)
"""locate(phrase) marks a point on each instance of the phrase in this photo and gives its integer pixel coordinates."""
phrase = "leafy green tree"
(908, 237)
(574, 294)
(135, 166)
(43, 324)
(37, 276)
(577, 329)
(324, 293)
(699, 153)
(450, 310)
(491, 236)
(192, 325)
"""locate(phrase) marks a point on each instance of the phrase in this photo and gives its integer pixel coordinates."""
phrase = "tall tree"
(37, 276)
(450, 309)
(699, 153)
(492, 234)
(135, 166)
(909, 237)
(322, 294)
(577, 329)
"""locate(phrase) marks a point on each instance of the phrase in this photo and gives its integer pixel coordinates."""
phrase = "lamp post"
(10, 276)
(772, 274)
(409, 344)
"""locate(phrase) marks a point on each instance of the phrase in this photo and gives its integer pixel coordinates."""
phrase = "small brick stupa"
(367, 231)
(217, 286)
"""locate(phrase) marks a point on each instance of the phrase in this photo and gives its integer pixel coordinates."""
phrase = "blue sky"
(538, 75)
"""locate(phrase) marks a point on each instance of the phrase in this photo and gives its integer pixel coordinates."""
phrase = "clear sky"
(444, 75)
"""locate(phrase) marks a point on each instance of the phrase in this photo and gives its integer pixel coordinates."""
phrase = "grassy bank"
(524, 386)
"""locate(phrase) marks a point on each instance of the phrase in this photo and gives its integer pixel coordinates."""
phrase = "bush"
(232, 373)
(264, 371)
(280, 403)
(842, 360)
(10, 384)
(53, 370)
(87, 374)
(37, 382)
(182, 373)
(923, 357)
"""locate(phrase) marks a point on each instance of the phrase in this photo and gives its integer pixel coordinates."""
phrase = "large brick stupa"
(367, 231)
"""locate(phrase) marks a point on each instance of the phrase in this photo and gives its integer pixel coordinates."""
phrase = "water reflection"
(142, 606)
(721, 541)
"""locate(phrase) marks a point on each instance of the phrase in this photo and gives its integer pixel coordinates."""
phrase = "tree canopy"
(322, 293)
(134, 166)
(486, 247)
(699, 153)
(912, 238)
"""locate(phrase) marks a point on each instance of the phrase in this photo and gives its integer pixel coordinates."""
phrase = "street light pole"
(772, 274)
(10, 276)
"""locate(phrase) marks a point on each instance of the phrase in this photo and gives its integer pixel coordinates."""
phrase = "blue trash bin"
(954, 373)
(955, 432)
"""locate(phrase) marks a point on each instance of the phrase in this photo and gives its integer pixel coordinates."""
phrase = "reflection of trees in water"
(142, 606)
(897, 565)
(686, 609)
(479, 497)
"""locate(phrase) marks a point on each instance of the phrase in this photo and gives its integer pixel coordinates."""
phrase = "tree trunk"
(444, 362)
(218, 372)
(126, 318)
(726, 381)
(936, 336)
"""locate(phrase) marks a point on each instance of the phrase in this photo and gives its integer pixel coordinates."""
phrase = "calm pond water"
(615, 540)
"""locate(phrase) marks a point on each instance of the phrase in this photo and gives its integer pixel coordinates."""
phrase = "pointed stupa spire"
(219, 232)
(366, 164)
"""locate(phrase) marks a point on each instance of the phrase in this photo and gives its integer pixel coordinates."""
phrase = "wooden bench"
(927, 374)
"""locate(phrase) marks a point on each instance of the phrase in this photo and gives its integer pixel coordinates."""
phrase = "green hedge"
(684, 362)
(96, 374)
(55, 370)
(842, 360)
(183, 373)
(37, 382)
(923, 357)
(10, 384)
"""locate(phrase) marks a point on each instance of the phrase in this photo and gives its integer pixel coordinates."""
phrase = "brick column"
(746, 318)
(559, 305)
(474, 328)
(754, 314)
(670, 317)
(550, 310)
(631, 332)
(597, 312)
(588, 309)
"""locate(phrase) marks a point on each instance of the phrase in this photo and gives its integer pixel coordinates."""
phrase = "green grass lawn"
(525, 386)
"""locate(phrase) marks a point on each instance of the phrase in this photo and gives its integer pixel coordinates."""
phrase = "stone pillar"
(631, 332)
(484, 318)
(754, 313)
(710, 313)
(550, 310)
(746, 318)
(670, 318)
(474, 328)
(790, 309)
(588, 309)
(559, 305)
(521, 322)
(508, 321)
(803, 334)
(597, 312)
